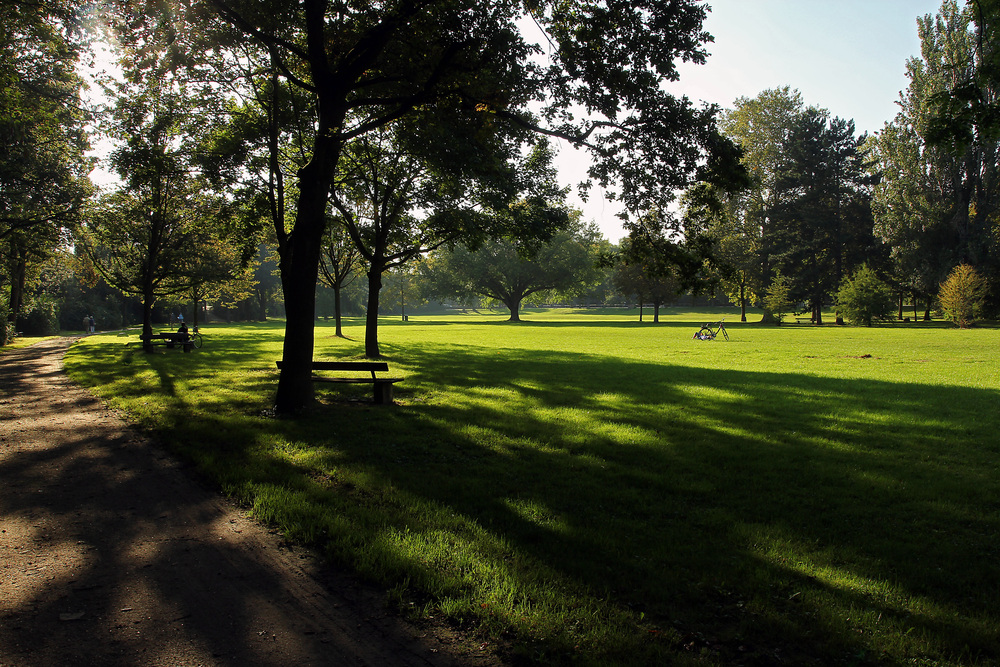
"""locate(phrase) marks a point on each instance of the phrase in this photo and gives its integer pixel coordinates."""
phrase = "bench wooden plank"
(382, 385)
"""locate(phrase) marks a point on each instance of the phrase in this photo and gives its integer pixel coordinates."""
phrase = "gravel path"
(111, 554)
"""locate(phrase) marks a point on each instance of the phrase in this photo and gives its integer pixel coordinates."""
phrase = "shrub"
(962, 295)
(864, 299)
(40, 318)
(777, 301)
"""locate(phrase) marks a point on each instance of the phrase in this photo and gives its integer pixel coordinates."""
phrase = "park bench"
(170, 339)
(382, 385)
(804, 320)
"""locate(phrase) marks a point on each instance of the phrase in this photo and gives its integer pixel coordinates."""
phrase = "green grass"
(585, 489)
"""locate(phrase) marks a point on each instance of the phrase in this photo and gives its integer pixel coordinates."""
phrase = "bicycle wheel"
(724, 332)
(196, 339)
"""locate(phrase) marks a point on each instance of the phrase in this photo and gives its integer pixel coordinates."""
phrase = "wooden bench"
(804, 320)
(170, 339)
(382, 385)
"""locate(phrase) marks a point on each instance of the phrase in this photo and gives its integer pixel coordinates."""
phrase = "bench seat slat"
(320, 378)
(382, 385)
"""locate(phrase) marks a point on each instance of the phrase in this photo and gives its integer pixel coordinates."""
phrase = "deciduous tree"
(368, 65)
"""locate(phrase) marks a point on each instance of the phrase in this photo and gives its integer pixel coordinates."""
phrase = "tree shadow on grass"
(155, 574)
(750, 505)
(771, 514)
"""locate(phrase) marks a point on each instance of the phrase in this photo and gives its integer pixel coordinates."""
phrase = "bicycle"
(711, 330)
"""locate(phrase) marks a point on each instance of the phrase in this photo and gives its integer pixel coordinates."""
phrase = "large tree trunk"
(514, 306)
(299, 273)
(147, 318)
(300, 249)
(743, 302)
(371, 318)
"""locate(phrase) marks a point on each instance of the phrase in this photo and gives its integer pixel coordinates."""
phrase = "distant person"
(86, 323)
(183, 331)
(92, 324)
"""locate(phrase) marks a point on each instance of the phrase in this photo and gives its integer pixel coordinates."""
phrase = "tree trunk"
(371, 319)
(900, 305)
(147, 318)
(336, 311)
(817, 314)
(514, 306)
(656, 312)
(743, 303)
(18, 277)
(299, 273)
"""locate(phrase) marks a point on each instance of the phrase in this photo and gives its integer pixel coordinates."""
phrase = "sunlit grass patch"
(594, 490)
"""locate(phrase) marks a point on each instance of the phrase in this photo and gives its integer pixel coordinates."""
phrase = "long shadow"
(687, 493)
(133, 528)
(715, 485)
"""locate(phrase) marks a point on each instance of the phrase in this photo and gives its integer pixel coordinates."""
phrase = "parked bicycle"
(711, 330)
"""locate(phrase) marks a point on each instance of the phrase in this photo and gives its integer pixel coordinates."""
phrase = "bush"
(6, 327)
(41, 320)
(777, 301)
(962, 295)
(864, 299)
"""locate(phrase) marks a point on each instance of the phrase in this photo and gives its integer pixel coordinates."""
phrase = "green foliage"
(962, 295)
(588, 491)
(777, 299)
(863, 298)
(822, 224)
(512, 271)
(941, 181)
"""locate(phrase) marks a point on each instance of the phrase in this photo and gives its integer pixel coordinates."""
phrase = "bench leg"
(383, 393)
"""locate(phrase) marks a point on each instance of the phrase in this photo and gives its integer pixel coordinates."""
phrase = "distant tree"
(649, 276)
(339, 266)
(511, 271)
(962, 295)
(744, 228)
(822, 223)
(864, 299)
(406, 190)
(940, 158)
(734, 255)
(164, 231)
(777, 298)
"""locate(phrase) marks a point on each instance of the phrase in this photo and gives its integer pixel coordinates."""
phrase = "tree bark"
(371, 318)
(336, 311)
(514, 305)
(299, 274)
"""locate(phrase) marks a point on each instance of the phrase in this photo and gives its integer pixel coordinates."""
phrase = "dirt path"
(111, 555)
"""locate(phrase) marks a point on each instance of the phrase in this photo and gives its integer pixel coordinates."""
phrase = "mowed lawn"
(582, 488)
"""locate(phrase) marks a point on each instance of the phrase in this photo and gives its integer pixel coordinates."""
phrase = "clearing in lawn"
(584, 488)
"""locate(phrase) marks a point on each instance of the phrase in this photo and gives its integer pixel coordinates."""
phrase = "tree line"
(264, 147)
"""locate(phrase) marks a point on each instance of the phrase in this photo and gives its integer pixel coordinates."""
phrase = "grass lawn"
(582, 488)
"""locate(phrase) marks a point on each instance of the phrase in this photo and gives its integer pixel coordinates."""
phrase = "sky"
(847, 56)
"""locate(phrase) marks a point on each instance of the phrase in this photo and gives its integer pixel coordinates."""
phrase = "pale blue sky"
(848, 56)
